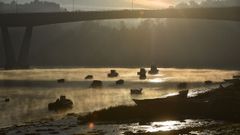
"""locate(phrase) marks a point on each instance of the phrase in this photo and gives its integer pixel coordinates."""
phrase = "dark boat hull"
(161, 101)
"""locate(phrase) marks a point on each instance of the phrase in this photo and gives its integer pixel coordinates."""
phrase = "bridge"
(30, 20)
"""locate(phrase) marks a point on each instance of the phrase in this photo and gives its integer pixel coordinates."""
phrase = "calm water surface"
(30, 91)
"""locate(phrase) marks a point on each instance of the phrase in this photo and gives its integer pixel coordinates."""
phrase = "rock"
(61, 80)
(142, 77)
(7, 99)
(96, 83)
(142, 71)
(113, 73)
(208, 82)
(153, 70)
(136, 91)
(120, 82)
(60, 104)
(142, 74)
(89, 77)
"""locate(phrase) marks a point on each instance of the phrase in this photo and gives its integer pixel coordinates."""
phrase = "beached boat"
(182, 96)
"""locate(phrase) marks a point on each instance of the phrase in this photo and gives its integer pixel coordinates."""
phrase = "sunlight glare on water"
(157, 80)
(164, 126)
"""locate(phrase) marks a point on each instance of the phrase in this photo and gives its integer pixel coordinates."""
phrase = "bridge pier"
(10, 60)
(23, 58)
(22, 61)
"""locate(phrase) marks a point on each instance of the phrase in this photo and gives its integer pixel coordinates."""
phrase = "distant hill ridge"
(33, 6)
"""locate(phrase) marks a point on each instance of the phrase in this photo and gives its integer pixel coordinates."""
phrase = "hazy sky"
(127, 4)
(108, 4)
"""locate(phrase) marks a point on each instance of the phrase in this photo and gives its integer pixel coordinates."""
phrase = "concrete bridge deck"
(36, 19)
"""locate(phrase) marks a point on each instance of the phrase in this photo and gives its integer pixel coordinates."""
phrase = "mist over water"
(30, 91)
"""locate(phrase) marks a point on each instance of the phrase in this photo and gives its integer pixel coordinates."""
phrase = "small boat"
(153, 70)
(89, 77)
(96, 84)
(120, 82)
(60, 104)
(113, 73)
(136, 91)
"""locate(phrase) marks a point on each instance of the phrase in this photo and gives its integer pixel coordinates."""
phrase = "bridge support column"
(10, 58)
(22, 62)
(23, 59)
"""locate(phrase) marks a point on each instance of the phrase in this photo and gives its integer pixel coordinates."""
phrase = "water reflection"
(164, 126)
(157, 80)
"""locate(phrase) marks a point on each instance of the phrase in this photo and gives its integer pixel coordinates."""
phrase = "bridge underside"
(36, 19)
(11, 60)
(28, 20)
